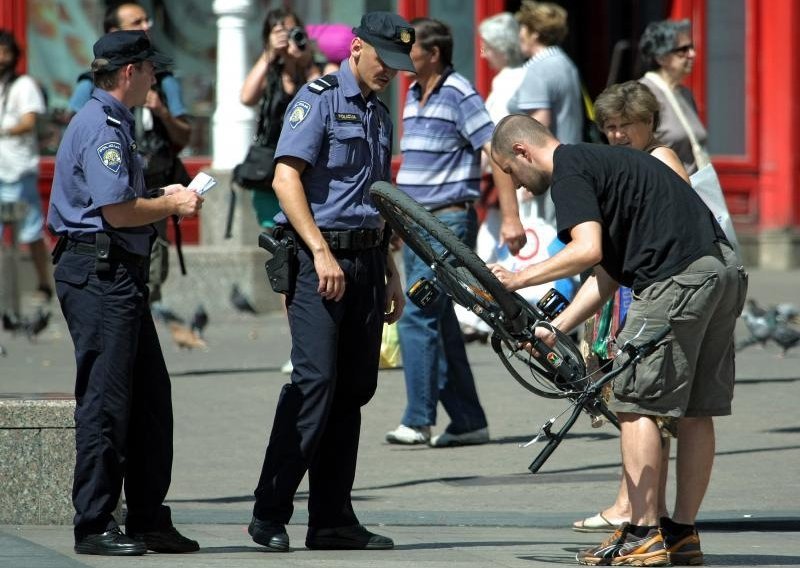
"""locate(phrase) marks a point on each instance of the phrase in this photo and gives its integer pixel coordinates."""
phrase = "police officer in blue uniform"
(335, 143)
(103, 215)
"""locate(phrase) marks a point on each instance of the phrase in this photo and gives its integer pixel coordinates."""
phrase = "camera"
(299, 37)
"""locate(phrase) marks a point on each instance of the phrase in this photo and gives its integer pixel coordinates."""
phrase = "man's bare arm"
(584, 251)
(512, 233)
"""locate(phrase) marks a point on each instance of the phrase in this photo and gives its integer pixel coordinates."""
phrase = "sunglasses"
(682, 49)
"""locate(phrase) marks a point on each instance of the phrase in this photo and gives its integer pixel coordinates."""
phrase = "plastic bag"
(390, 348)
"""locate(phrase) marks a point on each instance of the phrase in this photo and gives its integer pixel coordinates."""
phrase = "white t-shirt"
(504, 85)
(19, 154)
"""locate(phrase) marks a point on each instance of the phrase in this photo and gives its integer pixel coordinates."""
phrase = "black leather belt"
(353, 239)
(116, 253)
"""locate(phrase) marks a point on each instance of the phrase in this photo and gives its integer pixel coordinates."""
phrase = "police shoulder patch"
(299, 113)
(110, 155)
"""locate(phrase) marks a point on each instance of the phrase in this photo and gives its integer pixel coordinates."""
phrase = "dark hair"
(518, 128)
(275, 17)
(659, 38)
(432, 33)
(632, 100)
(111, 19)
(8, 40)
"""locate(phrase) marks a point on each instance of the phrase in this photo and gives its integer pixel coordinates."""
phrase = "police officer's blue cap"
(391, 36)
(117, 49)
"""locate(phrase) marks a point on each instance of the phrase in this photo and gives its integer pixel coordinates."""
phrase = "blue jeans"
(434, 357)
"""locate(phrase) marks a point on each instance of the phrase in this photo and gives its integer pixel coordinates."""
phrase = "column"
(233, 122)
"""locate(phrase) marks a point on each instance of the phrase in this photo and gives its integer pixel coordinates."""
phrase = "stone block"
(37, 445)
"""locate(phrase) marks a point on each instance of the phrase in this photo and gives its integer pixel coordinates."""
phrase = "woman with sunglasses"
(668, 55)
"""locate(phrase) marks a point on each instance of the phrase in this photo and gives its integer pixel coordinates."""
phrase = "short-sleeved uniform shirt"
(552, 82)
(97, 165)
(442, 142)
(346, 142)
(654, 224)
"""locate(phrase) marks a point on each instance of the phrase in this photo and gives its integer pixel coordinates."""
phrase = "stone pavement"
(459, 507)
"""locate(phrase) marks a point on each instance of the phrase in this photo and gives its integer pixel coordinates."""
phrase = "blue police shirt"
(347, 143)
(97, 165)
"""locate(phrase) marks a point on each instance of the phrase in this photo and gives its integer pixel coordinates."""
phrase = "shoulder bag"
(258, 168)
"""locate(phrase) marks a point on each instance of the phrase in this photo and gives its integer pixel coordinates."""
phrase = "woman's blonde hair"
(545, 18)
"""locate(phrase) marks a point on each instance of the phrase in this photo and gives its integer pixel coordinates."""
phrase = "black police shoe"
(269, 534)
(110, 543)
(354, 537)
(168, 541)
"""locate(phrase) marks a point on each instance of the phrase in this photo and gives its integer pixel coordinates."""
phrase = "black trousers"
(123, 415)
(335, 352)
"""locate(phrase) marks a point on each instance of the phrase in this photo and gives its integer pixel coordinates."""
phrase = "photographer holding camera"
(285, 65)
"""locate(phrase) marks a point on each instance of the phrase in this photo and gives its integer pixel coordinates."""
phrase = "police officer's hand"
(186, 203)
(395, 299)
(330, 274)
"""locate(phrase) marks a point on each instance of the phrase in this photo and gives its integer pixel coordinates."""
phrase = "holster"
(102, 246)
(58, 250)
(281, 267)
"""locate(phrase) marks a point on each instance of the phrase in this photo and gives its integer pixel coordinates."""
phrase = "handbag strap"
(258, 137)
(700, 156)
(269, 102)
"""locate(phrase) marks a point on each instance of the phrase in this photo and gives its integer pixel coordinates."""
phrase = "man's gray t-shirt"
(552, 82)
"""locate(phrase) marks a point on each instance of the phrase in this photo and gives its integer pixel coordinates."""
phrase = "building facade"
(746, 79)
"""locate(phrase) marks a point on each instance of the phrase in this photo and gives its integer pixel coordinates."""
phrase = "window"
(725, 76)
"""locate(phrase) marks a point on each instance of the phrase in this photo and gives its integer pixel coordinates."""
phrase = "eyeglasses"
(683, 49)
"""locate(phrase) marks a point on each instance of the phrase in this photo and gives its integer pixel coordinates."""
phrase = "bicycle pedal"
(422, 292)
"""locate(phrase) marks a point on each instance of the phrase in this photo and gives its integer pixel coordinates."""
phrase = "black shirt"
(654, 224)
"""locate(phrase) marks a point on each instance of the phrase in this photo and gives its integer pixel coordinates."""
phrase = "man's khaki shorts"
(691, 373)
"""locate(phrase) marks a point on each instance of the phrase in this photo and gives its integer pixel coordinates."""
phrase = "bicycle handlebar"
(646, 348)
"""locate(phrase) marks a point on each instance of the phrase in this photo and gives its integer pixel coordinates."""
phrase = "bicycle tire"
(470, 283)
(482, 290)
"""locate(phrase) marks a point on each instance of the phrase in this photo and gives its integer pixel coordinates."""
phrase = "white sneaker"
(480, 436)
(287, 368)
(409, 435)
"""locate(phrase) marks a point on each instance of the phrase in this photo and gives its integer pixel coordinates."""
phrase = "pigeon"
(782, 333)
(758, 324)
(240, 301)
(11, 322)
(755, 309)
(3, 352)
(36, 325)
(787, 313)
(164, 314)
(184, 337)
(199, 320)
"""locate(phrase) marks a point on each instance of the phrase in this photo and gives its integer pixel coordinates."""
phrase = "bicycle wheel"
(465, 277)
(460, 271)
(540, 377)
